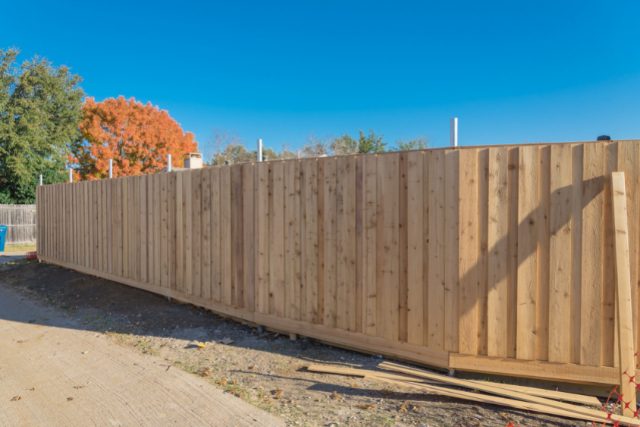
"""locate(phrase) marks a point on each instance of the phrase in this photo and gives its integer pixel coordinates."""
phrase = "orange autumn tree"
(136, 136)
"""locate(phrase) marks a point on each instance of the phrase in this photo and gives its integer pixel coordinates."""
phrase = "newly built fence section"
(20, 221)
(494, 259)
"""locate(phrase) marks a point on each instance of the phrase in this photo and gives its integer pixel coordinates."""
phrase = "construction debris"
(518, 397)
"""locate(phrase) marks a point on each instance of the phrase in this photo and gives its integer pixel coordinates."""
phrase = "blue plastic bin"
(3, 236)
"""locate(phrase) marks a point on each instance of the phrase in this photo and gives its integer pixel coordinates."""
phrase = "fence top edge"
(356, 155)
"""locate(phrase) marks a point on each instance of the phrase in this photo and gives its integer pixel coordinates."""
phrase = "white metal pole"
(110, 168)
(70, 175)
(259, 149)
(453, 136)
(169, 166)
(40, 179)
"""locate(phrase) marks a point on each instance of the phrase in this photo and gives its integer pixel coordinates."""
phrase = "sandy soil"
(260, 367)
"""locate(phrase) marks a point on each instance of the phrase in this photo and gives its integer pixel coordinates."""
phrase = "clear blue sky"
(513, 71)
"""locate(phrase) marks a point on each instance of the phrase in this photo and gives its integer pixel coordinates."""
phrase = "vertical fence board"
(468, 254)
(435, 161)
(416, 242)
(498, 227)
(560, 247)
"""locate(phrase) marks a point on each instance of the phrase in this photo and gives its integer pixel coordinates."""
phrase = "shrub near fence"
(21, 222)
(491, 259)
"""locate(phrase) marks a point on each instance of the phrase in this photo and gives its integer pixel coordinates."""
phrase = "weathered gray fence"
(21, 222)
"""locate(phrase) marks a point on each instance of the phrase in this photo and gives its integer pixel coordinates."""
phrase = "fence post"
(169, 165)
(110, 168)
(626, 351)
(70, 175)
(40, 181)
(259, 149)
(453, 132)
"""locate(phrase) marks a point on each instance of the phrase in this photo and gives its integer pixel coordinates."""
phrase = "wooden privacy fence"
(493, 259)
(20, 221)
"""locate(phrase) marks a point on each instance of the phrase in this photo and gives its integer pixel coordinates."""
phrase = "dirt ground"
(260, 367)
(54, 373)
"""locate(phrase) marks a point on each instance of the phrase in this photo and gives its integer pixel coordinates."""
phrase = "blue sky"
(513, 71)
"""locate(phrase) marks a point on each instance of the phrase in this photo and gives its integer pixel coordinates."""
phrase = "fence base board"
(564, 372)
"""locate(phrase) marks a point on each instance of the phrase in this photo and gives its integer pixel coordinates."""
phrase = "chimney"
(193, 161)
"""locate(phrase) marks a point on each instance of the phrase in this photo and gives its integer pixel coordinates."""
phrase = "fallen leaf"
(334, 395)
(404, 407)
(200, 344)
(16, 398)
(277, 393)
(205, 372)
(367, 406)
(69, 399)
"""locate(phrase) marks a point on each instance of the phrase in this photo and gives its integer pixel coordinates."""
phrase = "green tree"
(40, 108)
(370, 143)
(233, 153)
(413, 144)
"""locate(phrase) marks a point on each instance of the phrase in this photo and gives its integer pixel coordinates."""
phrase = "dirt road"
(53, 372)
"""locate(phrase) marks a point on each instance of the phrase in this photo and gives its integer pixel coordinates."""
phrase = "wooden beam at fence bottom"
(336, 337)
(565, 372)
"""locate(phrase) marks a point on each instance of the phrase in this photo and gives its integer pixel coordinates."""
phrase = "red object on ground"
(32, 255)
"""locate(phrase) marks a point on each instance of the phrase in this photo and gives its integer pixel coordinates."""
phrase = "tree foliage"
(138, 137)
(40, 107)
(346, 144)
(413, 144)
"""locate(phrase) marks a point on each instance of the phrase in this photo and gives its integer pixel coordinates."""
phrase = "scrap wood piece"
(600, 415)
(416, 383)
(497, 400)
(357, 372)
(534, 391)
(552, 394)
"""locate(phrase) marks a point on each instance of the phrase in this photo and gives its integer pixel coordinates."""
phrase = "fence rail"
(492, 259)
(20, 221)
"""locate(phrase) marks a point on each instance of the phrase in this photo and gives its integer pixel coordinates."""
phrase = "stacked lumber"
(550, 402)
